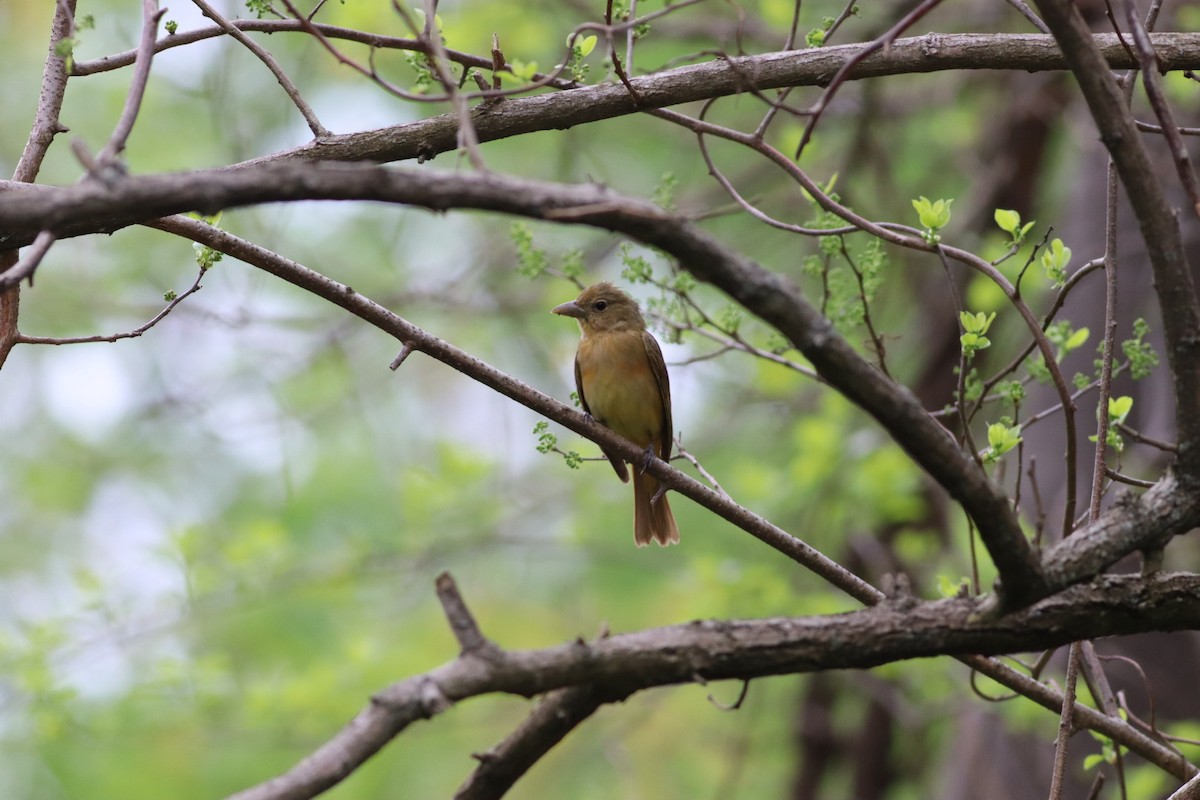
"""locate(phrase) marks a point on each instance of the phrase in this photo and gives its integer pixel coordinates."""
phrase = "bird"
(622, 383)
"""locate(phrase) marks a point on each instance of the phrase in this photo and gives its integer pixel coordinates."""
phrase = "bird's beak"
(570, 309)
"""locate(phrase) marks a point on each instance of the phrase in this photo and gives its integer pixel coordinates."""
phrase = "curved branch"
(97, 207)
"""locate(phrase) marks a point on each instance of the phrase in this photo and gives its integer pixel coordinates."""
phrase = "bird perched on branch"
(622, 383)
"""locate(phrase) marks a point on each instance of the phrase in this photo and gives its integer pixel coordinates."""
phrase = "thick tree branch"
(719, 650)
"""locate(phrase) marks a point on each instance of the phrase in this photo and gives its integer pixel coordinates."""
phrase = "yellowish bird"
(622, 383)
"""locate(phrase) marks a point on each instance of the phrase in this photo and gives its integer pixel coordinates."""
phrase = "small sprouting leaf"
(523, 70)
(977, 322)
(585, 45)
(1001, 439)
(1119, 408)
(934, 215)
(1008, 220)
(1055, 261)
(1076, 339)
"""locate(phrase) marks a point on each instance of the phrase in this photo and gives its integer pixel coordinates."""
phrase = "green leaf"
(1055, 260)
(1001, 438)
(934, 215)
(522, 69)
(1119, 408)
(1008, 220)
(977, 322)
(1076, 339)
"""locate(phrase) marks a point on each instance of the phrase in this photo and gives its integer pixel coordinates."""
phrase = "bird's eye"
(600, 305)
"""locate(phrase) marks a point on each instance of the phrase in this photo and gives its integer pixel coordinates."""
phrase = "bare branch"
(1159, 224)
(345, 297)
(713, 650)
(151, 14)
(1158, 101)
(318, 130)
(462, 621)
(723, 77)
(115, 337)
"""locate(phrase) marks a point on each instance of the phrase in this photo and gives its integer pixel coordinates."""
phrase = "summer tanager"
(622, 383)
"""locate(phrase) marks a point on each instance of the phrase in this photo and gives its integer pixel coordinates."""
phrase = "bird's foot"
(647, 458)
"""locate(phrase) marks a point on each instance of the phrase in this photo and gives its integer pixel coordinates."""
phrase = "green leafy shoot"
(525, 70)
(731, 319)
(1141, 355)
(1118, 410)
(531, 262)
(572, 265)
(259, 8)
(580, 50)
(949, 587)
(1054, 261)
(1065, 338)
(1010, 223)
(206, 257)
(437, 19)
(833, 221)
(1013, 392)
(1001, 439)
(172, 26)
(934, 215)
(664, 193)
(422, 73)
(974, 327)
(636, 268)
(548, 443)
(816, 37)
(1107, 754)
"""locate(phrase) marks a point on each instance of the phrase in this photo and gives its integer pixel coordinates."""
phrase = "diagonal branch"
(774, 299)
(416, 339)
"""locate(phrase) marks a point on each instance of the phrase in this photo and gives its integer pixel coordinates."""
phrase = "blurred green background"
(217, 540)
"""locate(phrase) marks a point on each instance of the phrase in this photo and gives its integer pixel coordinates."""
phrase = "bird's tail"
(651, 520)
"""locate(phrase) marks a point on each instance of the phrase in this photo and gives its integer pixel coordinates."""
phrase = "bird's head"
(603, 307)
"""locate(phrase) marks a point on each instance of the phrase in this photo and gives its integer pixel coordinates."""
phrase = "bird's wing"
(659, 368)
(617, 462)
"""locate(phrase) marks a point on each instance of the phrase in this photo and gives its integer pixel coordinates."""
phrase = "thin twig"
(133, 334)
(1152, 80)
(151, 14)
(30, 260)
(880, 43)
(310, 116)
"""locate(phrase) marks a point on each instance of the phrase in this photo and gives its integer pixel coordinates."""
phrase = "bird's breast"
(619, 386)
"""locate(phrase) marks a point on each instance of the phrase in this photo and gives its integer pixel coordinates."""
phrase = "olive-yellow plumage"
(622, 382)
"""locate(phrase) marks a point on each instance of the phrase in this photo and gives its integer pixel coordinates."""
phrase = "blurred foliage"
(219, 539)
